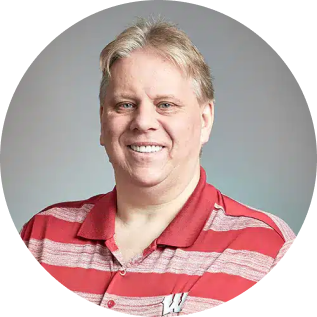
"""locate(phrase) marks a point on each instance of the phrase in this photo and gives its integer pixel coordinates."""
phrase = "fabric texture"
(215, 249)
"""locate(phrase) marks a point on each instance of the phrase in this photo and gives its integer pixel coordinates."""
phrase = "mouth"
(146, 148)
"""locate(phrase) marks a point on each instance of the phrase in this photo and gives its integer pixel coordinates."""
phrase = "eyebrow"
(157, 97)
(168, 97)
(121, 95)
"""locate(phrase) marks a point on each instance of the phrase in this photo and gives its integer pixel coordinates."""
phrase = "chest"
(133, 242)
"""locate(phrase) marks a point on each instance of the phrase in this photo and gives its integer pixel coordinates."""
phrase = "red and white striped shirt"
(213, 250)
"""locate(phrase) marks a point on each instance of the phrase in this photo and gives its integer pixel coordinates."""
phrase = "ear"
(207, 120)
(100, 113)
(101, 129)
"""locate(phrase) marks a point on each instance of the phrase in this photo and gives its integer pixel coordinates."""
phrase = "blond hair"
(170, 42)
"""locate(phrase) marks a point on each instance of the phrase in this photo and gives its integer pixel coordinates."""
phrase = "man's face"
(152, 125)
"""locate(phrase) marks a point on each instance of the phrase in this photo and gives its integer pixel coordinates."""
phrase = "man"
(163, 241)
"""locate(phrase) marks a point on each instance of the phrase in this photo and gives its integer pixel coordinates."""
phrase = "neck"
(159, 203)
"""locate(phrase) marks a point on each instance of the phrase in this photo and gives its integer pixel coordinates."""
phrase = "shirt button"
(123, 272)
(111, 303)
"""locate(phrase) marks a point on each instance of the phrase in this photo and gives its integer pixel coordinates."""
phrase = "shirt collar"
(181, 232)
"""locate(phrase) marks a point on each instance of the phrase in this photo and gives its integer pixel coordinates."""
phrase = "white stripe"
(87, 256)
(141, 306)
(148, 306)
(282, 252)
(283, 226)
(249, 264)
(153, 306)
(197, 304)
(94, 298)
(68, 214)
(219, 221)
(287, 232)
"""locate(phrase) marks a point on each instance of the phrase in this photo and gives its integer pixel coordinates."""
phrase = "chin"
(147, 177)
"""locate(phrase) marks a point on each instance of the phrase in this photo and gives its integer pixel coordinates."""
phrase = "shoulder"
(68, 211)
(242, 227)
(237, 209)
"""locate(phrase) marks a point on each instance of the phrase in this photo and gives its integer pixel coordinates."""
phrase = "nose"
(145, 117)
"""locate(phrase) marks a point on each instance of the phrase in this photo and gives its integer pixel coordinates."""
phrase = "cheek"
(111, 129)
(114, 130)
(185, 131)
(110, 137)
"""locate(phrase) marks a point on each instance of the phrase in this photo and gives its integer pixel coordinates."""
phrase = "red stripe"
(81, 280)
(235, 208)
(262, 240)
(54, 229)
(211, 285)
(220, 286)
(151, 284)
(249, 264)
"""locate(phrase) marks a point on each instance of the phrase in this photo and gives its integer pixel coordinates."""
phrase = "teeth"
(146, 149)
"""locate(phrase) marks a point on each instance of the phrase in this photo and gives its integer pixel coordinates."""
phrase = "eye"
(165, 105)
(126, 105)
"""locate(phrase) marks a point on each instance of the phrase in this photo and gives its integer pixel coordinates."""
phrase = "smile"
(146, 149)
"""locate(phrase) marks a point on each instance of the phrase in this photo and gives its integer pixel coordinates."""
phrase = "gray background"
(262, 149)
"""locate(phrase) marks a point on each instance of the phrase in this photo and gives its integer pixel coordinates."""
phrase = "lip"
(146, 144)
(142, 154)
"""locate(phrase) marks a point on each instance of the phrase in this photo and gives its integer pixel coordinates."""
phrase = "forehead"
(147, 71)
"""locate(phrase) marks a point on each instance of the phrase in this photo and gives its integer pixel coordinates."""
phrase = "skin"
(149, 100)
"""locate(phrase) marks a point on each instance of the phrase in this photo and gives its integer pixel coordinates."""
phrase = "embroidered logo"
(173, 303)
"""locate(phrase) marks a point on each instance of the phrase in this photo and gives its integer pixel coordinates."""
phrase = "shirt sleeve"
(282, 252)
(22, 231)
(26, 231)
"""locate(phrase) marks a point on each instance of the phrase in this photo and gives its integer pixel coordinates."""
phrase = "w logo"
(173, 303)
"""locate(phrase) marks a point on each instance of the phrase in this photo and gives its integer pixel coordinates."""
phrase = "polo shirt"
(214, 249)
